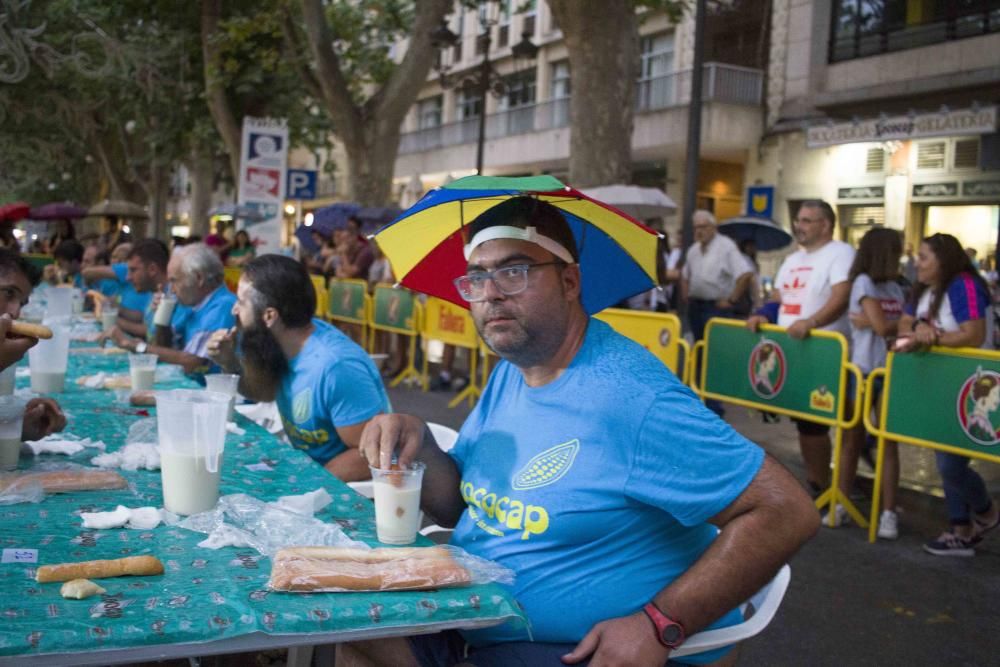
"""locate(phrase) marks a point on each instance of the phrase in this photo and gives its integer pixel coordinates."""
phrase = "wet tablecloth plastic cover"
(204, 594)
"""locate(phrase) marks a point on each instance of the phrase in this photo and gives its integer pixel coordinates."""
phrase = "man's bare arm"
(759, 532)
(95, 273)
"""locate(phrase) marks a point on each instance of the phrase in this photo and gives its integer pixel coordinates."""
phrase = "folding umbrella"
(118, 208)
(58, 211)
(762, 231)
(425, 244)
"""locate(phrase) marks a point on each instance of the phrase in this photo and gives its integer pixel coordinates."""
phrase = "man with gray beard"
(326, 387)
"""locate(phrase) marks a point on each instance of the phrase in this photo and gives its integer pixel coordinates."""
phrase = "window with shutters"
(966, 153)
(930, 155)
(875, 160)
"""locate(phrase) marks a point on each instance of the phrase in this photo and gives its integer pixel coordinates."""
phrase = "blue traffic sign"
(301, 184)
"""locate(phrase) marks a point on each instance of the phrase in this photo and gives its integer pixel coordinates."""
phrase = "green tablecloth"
(204, 594)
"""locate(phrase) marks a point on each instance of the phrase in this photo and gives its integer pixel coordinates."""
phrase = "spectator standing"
(242, 250)
(875, 306)
(714, 276)
(950, 308)
(811, 292)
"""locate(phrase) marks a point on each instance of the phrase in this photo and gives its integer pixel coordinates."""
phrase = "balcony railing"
(722, 83)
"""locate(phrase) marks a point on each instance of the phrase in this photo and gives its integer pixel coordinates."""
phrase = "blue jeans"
(964, 489)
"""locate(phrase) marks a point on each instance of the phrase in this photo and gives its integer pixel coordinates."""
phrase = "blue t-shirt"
(108, 287)
(193, 326)
(595, 488)
(331, 382)
(129, 297)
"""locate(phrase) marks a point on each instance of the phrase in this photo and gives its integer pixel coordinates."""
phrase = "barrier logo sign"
(978, 401)
(767, 368)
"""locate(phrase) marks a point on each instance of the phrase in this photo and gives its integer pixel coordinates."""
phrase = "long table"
(207, 601)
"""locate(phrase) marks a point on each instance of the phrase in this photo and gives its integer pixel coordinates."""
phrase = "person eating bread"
(631, 514)
(325, 386)
(18, 278)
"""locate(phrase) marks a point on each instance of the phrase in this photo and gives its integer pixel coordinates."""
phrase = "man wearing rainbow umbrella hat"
(632, 516)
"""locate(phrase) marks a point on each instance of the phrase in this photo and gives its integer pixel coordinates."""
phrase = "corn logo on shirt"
(595, 488)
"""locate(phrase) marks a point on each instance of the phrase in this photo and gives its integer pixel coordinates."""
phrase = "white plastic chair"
(765, 603)
(445, 436)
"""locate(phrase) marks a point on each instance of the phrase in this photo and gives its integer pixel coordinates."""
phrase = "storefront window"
(974, 226)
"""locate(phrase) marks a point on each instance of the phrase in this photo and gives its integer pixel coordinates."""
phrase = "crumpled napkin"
(133, 456)
(231, 427)
(306, 503)
(62, 443)
(139, 518)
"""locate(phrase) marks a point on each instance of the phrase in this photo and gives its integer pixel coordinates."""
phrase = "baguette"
(64, 481)
(29, 329)
(335, 569)
(139, 566)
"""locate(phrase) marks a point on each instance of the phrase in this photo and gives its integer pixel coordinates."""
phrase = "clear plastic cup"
(58, 302)
(397, 503)
(11, 422)
(109, 318)
(165, 310)
(191, 426)
(142, 371)
(224, 383)
(48, 359)
(8, 378)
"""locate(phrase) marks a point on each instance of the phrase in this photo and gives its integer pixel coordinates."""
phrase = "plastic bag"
(324, 569)
(242, 520)
(43, 478)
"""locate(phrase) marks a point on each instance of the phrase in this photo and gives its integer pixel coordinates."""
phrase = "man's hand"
(860, 321)
(120, 338)
(754, 322)
(801, 328)
(628, 640)
(386, 435)
(12, 350)
(221, 348)
(42, 416)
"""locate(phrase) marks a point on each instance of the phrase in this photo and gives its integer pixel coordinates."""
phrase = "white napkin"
(62, 443)
(231, 427)
(306, 503)
(96, 380)
(140, 518)
(133, 456)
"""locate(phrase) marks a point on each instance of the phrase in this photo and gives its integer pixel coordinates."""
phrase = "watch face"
(671, 634)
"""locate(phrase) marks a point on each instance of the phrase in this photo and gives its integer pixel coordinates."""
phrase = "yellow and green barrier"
(453, 325)
(397, 310)
(771, 371)
(660, 333)
(348, 302)
(319, 282)
(942, 399)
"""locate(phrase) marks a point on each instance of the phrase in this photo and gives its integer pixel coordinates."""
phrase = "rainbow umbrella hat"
(425, 243)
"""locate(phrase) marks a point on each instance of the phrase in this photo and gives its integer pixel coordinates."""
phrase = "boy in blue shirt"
(631, 514)
(326, 387)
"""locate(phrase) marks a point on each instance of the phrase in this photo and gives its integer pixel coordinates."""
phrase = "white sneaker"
(840, 517)
(888, 525)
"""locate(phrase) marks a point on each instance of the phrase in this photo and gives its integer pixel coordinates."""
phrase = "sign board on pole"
(301, 184)
(760, 201)
(263, 162)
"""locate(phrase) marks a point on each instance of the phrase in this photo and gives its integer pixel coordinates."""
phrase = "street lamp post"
(486, 78)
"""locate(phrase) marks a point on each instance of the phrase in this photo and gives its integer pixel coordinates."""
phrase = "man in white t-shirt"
(811, 291)
(714, 276)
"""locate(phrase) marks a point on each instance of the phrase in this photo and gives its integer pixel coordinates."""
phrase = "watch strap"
(662, 622)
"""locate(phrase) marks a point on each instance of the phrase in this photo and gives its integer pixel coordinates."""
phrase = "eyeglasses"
(510, 280)
(809, 220)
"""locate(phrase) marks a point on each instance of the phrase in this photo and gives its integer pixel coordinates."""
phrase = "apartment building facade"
(527, 125)
(888, 110)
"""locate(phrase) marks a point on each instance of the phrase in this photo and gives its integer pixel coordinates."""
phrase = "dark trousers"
(700, 311)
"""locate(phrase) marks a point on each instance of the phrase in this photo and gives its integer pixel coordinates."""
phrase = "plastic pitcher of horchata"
(48, 358)
(192, 432)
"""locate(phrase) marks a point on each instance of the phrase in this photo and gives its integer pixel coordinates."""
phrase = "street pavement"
(851, 602)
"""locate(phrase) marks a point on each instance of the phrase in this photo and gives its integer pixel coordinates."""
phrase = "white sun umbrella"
(639, 202)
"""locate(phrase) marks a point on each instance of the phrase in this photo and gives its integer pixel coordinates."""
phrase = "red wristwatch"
(669, 632)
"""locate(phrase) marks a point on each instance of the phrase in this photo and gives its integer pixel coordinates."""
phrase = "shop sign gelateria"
(982, 120)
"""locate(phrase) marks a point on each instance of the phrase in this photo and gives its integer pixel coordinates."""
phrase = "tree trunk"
(602, 40)
(159, 176)
(201, 169)
(370, 130)
(215, 92)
